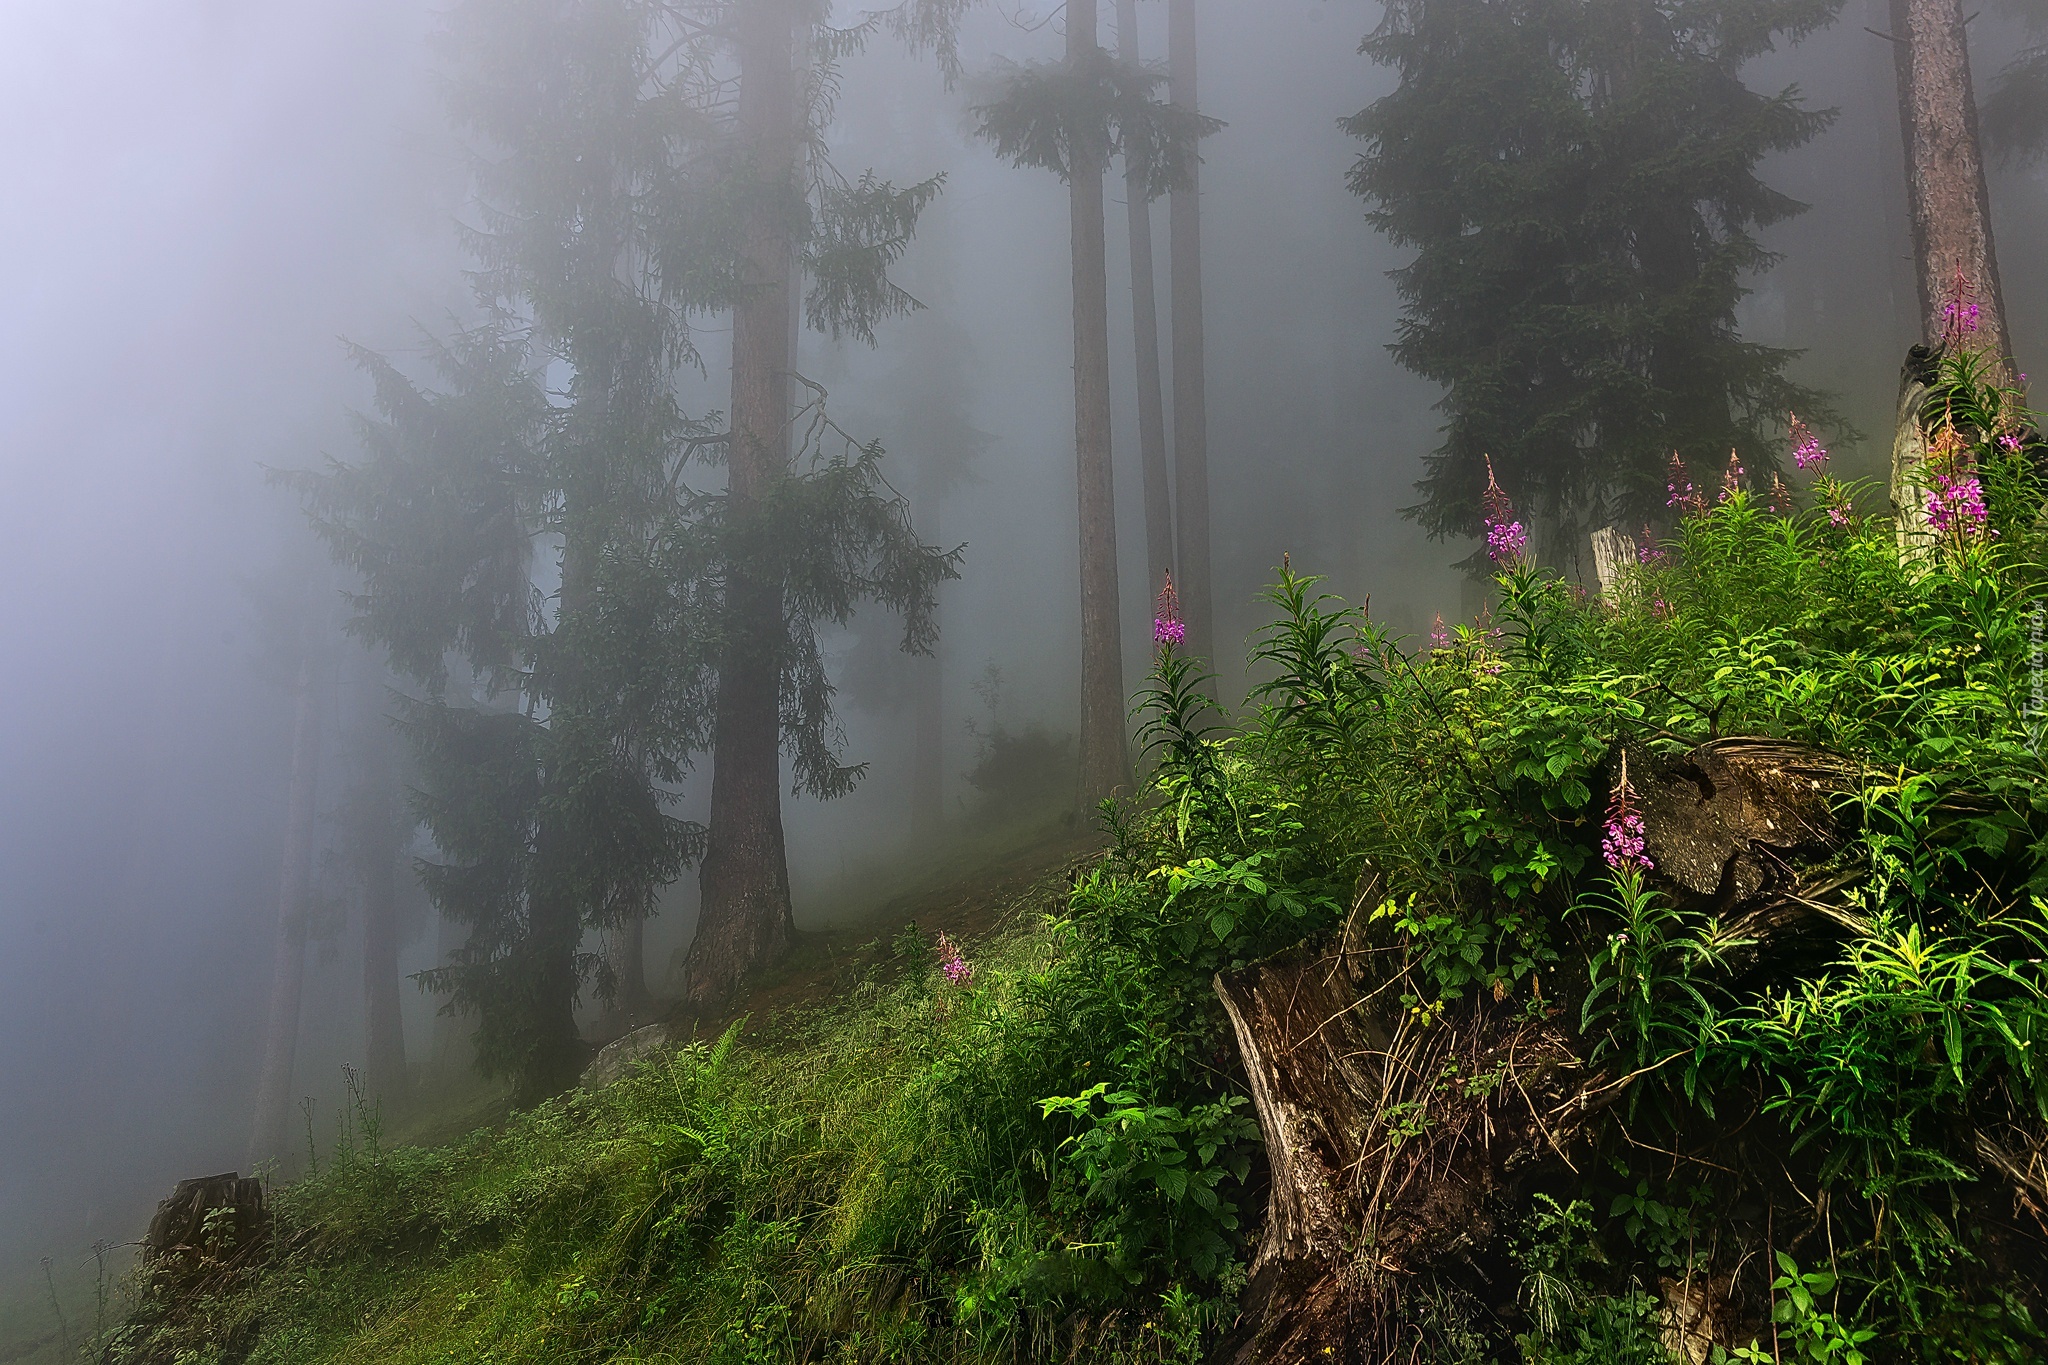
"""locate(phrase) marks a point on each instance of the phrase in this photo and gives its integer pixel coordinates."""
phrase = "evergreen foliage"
(538, 519)
(1578, 181)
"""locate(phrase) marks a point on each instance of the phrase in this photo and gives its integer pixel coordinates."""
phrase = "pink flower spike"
(1807, 451)
(1622, 841)
(958, 970)
(1731, 478)
(1168, 630)
(1506, 537)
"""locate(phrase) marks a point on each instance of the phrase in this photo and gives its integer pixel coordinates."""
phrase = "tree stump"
(1395, 1141)
(213, 1220)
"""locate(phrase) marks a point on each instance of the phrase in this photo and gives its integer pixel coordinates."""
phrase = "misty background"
(202, 198)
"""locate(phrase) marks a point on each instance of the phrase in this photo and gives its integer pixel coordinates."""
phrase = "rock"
(617, 1057)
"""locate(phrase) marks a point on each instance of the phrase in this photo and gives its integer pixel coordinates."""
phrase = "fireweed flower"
(1958, 307)
(1807, 451)
(1506, 537)
(1835, 499)
(1646, 550)
(1439, 638)
(1781, 496)
(1679, 484)
(1168, 630)
(1621, 843)
(1956, 504)
(1731, 478)
(959, 971)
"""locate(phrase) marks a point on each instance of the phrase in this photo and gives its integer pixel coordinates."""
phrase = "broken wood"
(1394, 1141)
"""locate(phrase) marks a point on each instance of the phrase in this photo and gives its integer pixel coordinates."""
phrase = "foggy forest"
(738, 681)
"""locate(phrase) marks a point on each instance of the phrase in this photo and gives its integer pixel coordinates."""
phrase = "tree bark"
(1909, 455)
(1105, 761)
(1190, 374)
(1145, 329)
(744, 920)
(288, 963)
(628, 949)
(1949, 205)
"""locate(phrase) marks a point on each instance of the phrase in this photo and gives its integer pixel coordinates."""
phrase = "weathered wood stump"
(1395, 1145)
(215, 1219)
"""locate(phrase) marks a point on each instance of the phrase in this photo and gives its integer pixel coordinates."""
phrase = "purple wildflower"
(1679, 485)
(1168, 630)
(1956, 503)
(1731, 478)
(1807, 451)
(1646, 549)
(1506, 537)
(1439, 638)
(1621, 844)
(959, 971)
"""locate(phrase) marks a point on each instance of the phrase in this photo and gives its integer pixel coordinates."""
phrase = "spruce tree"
(1071, 118)
(632, 586)
(1578, 181)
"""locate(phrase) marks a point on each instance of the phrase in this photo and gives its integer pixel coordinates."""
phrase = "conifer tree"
(1152, 464)
(1196, 577)
(1071, 118)
(536, 517)
(1578, 180)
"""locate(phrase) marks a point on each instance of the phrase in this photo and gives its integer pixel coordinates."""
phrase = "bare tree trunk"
(745, 918)
(1190, 374)
(928, 697)
(1105, 762)
(1145, 328)
(288, 966)
(627, 947)
(383, 1013)
(1950, 207)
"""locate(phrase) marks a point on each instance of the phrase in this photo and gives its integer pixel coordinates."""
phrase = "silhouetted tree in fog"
(310, 691)
(1157, 484)
(1070, 119)
(640, 164)
(1578, 180)
(374, 827)
(1194, 576)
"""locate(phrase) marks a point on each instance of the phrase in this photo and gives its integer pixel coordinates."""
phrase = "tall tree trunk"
(1950, 207)
(928, 694)
(1105, 762)
(627, 948)
(382, 831)
(383, 1013)
(744, 920)
(1145, 328)
(1190, 374)
(288, 965)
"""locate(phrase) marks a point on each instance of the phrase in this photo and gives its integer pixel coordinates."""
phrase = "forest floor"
(974, 891)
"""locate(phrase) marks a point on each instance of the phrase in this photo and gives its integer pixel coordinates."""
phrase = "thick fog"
(203, 198)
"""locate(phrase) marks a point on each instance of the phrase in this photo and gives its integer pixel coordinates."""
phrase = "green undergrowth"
(885, 1178)
(1821, 1114)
